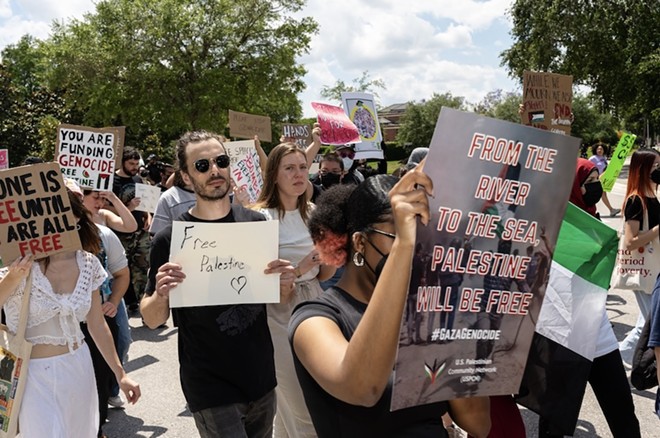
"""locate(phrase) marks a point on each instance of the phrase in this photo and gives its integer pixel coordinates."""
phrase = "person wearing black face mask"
(331, 172)
(345, 342)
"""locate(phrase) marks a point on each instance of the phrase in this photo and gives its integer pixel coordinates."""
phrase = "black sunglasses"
(204, 164)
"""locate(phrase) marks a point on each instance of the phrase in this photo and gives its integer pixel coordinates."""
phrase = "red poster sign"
(4, 159)
(336, 127)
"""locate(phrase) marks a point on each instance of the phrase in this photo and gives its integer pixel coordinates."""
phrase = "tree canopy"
(418, 122)
(610, 45)
(161, 67)
(363, 84)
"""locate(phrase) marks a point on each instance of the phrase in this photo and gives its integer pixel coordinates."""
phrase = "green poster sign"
(613, 170)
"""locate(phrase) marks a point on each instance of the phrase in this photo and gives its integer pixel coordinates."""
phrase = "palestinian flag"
(564, 344)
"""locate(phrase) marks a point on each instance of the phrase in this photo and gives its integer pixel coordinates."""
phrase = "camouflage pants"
(137, 247)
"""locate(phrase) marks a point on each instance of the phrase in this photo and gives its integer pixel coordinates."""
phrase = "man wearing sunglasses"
(227, 369)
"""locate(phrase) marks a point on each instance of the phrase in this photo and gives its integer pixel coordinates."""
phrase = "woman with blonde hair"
(285, 198)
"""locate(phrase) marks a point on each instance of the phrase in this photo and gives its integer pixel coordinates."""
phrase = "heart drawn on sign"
(238, 283)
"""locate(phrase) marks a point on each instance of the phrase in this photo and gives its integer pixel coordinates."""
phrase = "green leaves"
(609, 45)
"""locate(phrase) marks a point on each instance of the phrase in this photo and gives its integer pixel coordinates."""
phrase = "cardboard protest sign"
(477, 284)
(336, 127)
(623, 149)
(224, 263)
(89, 155)
(243, 125)
(244, 167)
(301, 135)
(4, 159)
(149, 196)
(547, 101)
(35, 213)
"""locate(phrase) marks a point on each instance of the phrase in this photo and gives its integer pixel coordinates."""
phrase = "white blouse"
(54, 318)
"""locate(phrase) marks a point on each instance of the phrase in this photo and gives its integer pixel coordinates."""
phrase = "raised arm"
(358, 371)
(263, 158)
(314, 147)
(119, 217)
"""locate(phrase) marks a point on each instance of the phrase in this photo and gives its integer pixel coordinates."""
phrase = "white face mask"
(348, 163)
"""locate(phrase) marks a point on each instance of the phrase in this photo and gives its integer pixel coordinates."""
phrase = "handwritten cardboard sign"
(623, 149)
(547, 101)
(149, 196)
(35, 213)
(244, 167)
(336, 127)
(4, 159)
(474, 294)
(89, 155)
(224, 263)
(243, 125)
(301, 135)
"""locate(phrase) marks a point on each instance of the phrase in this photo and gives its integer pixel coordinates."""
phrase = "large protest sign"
(478, 280)
(244, 167)
(361, 110)
(547, 101)
(243, 125)
(300, 135)
(89, 155)
(224, 263)
(35, 213)
(336, 127)
(4, 159)
(623, 149)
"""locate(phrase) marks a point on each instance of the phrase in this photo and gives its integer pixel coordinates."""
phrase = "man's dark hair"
(192, 137)
(32, 160)
(130, 153)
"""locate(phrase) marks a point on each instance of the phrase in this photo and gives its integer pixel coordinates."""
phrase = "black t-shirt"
(634, 211)
(225, 352)
(334, 418)
(124, 188)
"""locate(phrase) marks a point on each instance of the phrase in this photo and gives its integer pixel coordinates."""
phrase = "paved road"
(162, 411)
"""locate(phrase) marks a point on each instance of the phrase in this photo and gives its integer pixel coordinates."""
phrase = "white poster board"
(361, 109)
(149, 196)
(224, 263)
(88, 155)
(244, 166)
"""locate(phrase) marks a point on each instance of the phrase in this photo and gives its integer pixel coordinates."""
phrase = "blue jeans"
(123, 338)
(238, 420)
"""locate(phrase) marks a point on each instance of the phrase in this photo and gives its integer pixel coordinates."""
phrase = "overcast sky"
(417, 47)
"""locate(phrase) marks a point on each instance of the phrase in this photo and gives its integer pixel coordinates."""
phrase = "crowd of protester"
(297, 368)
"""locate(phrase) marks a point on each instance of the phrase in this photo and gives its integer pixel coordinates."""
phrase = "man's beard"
(217, 193)
(130, 172)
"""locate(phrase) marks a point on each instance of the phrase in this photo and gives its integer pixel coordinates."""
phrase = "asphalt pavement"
(162, 411)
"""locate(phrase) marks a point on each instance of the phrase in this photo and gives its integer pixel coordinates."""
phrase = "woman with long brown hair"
(285, 198)
(641, 203)
(60, 398)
